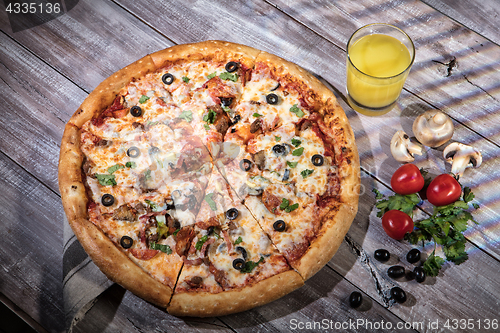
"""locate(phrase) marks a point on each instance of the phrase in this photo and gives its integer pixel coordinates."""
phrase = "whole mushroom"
(461, 157)
(433, 128)
(403, 149)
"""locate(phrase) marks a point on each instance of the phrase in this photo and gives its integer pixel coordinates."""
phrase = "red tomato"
(396, 224)
(407, 180)
(443, 190)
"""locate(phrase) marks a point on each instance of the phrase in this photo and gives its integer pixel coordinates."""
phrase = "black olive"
(176, 194)
(398, 294)
(286, 176)
(277, 86)
(167, 78)
(231, 213)
(317, 160)
(226, 101)
(232, 66)
(238, 264)
(382, 255)
(245, 164)
(279, 149)
(419, 274)
(396, 271)
(177, 225)
(133, 152)
(170, 205)
(279, 225)
(107, 200)
(243, 252)
(136, 111)
(236, 119)
(210, 230)
(413, 256)
(272, 99)
(355, 299)
(126, 242)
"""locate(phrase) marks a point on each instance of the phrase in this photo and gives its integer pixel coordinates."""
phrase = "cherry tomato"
(407, 180)
(396, 224)
(443, 190)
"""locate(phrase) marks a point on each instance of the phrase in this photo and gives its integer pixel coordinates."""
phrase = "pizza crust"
(204, 304)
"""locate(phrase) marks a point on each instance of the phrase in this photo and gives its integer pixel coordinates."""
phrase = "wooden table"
(47, 71)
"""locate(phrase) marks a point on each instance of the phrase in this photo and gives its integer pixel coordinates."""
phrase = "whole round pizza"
(210, 178)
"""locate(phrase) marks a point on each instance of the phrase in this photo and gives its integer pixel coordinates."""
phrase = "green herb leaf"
(176, 232)
(226, 108)
(200, 242)
(114, 168)
(151, 204)
(106, 180)
(306, 173)
(185, 79)
(295, 109)
(277, 138)
(187, 115)
(238, 240)
(292, 208)
(284, 203)
(229, 76)
(206, 127)
(210, 117)
(211, 76)
(147, 174)
(250, 265)
(256, 115)
(296, 142)
(143, 99)
(433, 264)
(210, 201)
(292, 164)
(298, 151)
(162, 247)
(468, 195)
(131, 165)
(378, 195)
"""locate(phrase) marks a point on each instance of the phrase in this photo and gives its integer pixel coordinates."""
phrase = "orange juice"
(377, 68)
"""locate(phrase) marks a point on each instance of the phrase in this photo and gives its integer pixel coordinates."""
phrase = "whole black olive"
(231, 66)
(382, 255)
(243, 252)
(245, 164)
(126, 242)
(238, 264)
(355, 299)
(396, 272)
(413, 256)
(167, 78)
(133, 152)
(279, 225)
(419, 274)
(272, 99)
(398, 294)
(107, 200)
(279, 149)
(136, 111)
(317, 160)
(231, 213)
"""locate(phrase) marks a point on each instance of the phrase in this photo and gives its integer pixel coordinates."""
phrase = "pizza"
(209, 178)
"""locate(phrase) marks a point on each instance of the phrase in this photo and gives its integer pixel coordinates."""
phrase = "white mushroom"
(403, 149)
(433, 128)
(462, 157)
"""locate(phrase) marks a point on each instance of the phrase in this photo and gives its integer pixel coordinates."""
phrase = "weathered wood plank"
(480, 16)
(469, 91)
(31, 245)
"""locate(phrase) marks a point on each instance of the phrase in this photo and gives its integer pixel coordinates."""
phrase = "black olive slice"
(286, 176)
(226, 101)
(277, 86)
(243, 252)
(167, 78)
(232, 66)
(239, 264)
(279, 149)
(355, 299)
(136, 111)
(272, 99)
(317, 160)
(382, 255)
(396, 272)
(398, 294)
(232, 213)
(413, 256)
(279, 225)
(245, 164)
(133, 152)
(126, 242)
(107, 200)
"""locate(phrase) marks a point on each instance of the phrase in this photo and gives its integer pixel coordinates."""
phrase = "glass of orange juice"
(379, 58)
